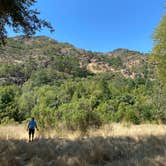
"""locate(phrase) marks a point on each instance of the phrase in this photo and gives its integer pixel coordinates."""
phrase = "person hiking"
(31, 128)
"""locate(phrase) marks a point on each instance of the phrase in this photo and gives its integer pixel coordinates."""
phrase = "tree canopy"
(159, 49)
(21, 17)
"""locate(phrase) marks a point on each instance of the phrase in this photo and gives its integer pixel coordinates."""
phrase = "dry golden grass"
(111, 145)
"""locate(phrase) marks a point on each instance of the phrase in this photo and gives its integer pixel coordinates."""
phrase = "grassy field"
(111, 145)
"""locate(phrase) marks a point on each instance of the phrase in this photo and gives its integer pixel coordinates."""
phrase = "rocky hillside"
(42, 51)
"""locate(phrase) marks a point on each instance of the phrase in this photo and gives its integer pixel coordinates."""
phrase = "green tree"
(19, 15)
(159, 49)
(8, 103)
(159, 60)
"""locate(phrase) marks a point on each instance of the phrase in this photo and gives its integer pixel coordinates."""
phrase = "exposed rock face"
(98, 67)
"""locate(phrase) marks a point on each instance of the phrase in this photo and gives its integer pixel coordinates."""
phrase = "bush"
(8, 103)
(74, 117)
(107, 110)
(45, 116)
(132, 115)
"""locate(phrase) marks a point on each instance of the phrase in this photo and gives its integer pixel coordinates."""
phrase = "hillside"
(66, 87)
(43, 52)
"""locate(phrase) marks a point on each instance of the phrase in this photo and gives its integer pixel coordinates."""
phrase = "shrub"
(132, 115)
(74, 117)
(45, 116)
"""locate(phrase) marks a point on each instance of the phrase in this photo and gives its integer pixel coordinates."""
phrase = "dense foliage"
(159, 50)
(56, 99)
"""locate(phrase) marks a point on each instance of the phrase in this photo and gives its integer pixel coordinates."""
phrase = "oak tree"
(21, 17)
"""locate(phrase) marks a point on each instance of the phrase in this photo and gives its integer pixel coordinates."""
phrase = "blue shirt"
(32, 124)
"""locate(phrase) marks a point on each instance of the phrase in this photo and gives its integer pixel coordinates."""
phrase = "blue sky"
(103, 25)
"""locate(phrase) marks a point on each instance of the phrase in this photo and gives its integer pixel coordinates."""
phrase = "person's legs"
(30, 132)
(29, 137)
(32, 137)
(33, 132)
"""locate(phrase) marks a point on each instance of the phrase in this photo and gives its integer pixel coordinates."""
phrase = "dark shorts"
(31, 131)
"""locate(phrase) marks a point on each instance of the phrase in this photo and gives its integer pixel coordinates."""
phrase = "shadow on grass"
(99, 151)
